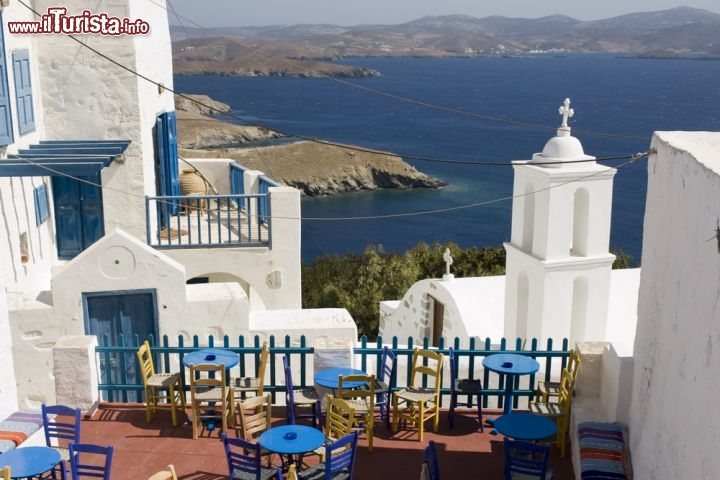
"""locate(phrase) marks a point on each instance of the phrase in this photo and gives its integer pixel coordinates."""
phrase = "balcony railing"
(204, 221)
(121, 380)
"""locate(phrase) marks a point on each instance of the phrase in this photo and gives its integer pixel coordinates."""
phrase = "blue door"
(167, 158)
(121, 318)
(78, 213)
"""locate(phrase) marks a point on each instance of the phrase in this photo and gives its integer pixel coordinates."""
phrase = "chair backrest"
(427, 368)
(525, 459)
(90, 461)
(340, 455)
(388, 363)
(264, 357)
(205, 376)
(292, 472)
(255, 416)
(289, 399)
(366, 392)
(453, 368)
(574, 362)
(430, 458)
(166, 474)
(62, 424)
(5, 473)
(147, 368)
(339, 418)
(243, 457)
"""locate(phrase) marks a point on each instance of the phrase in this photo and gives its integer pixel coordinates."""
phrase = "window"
(6, 133)
(41, 204)
(23, 91)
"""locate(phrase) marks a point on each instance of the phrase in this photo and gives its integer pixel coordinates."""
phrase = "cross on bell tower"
(558, 262)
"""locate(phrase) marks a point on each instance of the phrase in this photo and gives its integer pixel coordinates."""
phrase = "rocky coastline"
(314, 167)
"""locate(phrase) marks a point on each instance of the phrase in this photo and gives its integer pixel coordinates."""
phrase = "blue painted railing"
(207, 221)
(264, 185)
(120, 380)
(237, 183)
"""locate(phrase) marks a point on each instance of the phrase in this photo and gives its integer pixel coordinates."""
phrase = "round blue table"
(512, 365)
(213, 356)
(291, 440)
(525, 426)
(328, 378)
(26, 462)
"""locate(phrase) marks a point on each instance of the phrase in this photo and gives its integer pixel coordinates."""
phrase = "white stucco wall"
(102, 101)
(673, 424)
(8, 389)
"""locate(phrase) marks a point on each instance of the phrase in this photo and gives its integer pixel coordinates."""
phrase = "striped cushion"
(602, 451)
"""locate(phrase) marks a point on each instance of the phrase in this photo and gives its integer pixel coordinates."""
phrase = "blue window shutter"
(166, 149)
(41, 204)
(6, 134)
(23, 91)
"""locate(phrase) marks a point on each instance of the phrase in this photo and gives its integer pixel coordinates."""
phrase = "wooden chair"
(547, 389)
(209, 396)
(417, 404)
(339, 421)
(466, 387)
(62, 427)
(339, 460)
(88, 460)
(255, 418)
(431, 468)
(244, 460)
(5, 473)
(166, 474)
(559, 411)
(526, 460)
(241, 386)
(162, 390)
(362, 400)
(385, 383)
(306, 398)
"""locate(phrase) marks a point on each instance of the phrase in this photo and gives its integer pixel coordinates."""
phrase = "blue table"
(26, 462)
(291, 440)
(525, 426)
(512, 365)
(212, 356)
(328, 378)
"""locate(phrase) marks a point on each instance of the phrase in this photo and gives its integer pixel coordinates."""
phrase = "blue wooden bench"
(18, 427)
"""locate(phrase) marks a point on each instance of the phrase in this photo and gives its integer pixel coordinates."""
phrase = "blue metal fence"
(122, 384)
(264, 202)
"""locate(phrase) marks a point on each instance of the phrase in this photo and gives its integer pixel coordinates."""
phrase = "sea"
(448, 116)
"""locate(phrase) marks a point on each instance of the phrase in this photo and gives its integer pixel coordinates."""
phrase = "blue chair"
(62, 427)
(430, 462)
(339, 460)
(244, 460)
(90, 461)
(470, 387)
(526, 460)
(299, 398)
(385, 383)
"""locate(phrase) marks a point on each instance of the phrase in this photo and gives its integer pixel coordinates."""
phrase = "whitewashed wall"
(86, 96)
(674, 421)
(8, 389)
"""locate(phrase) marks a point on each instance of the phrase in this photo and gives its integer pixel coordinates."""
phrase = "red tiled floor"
(142, 449)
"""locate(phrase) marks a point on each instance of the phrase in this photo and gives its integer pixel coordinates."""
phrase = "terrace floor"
(142, 449)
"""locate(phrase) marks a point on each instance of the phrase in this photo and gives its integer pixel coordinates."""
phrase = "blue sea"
(618, 103)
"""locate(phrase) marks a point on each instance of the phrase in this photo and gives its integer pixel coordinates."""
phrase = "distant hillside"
(275, 49)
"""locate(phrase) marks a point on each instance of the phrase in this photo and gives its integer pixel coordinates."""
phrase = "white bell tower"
(558, 261)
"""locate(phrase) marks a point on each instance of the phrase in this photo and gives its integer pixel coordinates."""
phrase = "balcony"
(231, 219)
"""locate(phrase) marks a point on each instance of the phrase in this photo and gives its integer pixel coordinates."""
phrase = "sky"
(230, 13)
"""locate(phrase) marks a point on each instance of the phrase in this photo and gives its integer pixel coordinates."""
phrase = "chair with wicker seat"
(299, 398)
(241, 386)
(255, 418)
(417, 404)
(5, 473)
(559, 411)
(467, 387)
(339, 421)
(547, 389)
(162, 390)
(361, 399)
(209, 396)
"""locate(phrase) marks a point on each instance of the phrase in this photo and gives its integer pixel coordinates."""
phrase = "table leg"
(509, 383)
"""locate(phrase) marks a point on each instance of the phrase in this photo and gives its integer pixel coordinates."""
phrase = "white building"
(558, 282)
(91, 244)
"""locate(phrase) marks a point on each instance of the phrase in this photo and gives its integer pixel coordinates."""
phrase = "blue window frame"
(6, 132)
(23, 91)
(41, 204)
